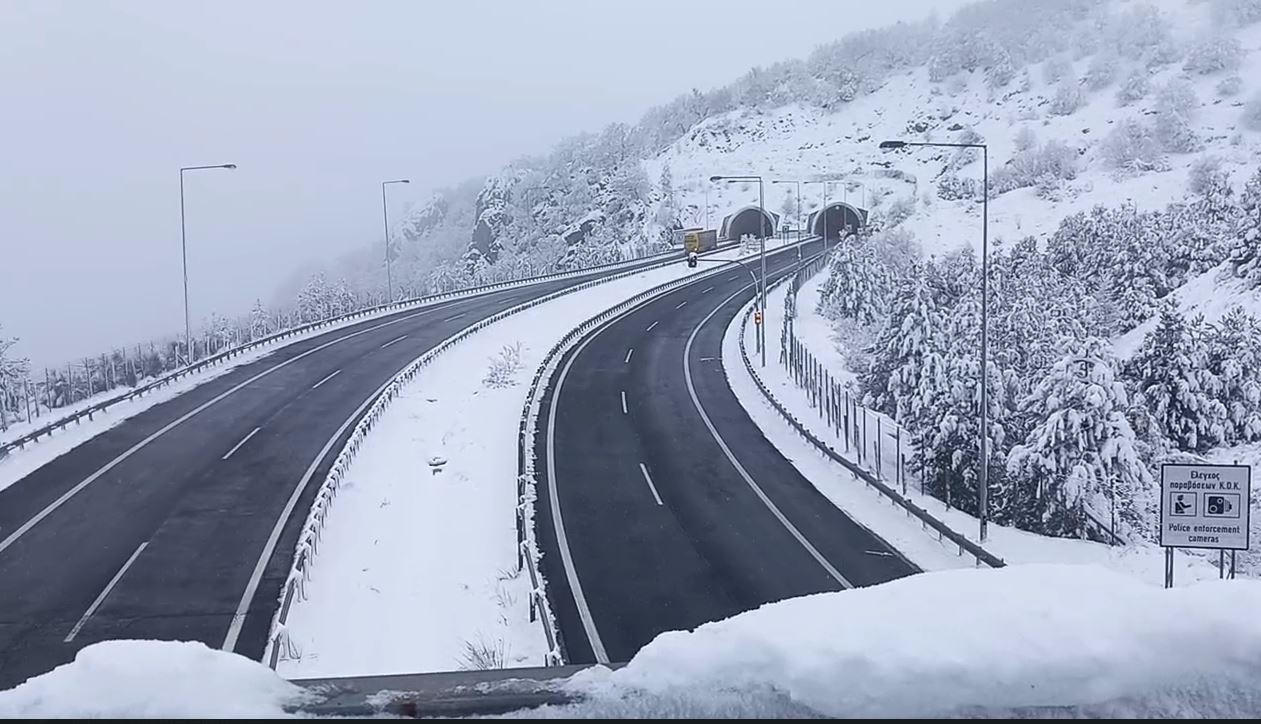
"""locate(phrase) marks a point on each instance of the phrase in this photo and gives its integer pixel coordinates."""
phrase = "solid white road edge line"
(101, 598)
(48, 510)
(239, 444)
(651, 487)
(242, 608)
(562, 542)
(691, 390)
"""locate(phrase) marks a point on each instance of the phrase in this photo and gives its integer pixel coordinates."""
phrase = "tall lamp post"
(761, 207)
(188, 327)
(385, 214)
(983, 492)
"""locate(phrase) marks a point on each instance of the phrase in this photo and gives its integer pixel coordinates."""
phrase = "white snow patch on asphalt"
(417, 565)
(153, 680)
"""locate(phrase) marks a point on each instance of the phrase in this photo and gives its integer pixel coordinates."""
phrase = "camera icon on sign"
(1221, 505)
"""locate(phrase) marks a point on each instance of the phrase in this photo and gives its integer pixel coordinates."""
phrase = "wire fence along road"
(859, 429)
(876, 442)
(290, 334)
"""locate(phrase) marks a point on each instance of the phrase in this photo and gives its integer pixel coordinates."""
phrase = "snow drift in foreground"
(957, 643)
(1032, 640)
(152, 679)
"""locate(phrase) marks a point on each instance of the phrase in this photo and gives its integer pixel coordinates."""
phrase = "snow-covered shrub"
(1135, 87)
(1213, 54)
(1236, 13)
(1132, 146)
(1000, 70)
(900, 210)
(1229, 86)
(1204, 174)
(1141, 32)
(1025, 139)
(504, 367)
(1252, 113)
(1045, 166)
(954, 188)
(1067, 99)
(1055, 69)
(1101, 71)
(1175, 104)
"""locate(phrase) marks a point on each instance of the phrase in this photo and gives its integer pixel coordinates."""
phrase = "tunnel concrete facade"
(745, 221)
(836, 217)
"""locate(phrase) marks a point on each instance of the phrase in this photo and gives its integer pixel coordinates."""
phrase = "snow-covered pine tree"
(1234, 359)
(260, 320)
(1245, 248)
(905, 340)
(855, 285)
(1171, 371)
(1080, 458)
(313, 299)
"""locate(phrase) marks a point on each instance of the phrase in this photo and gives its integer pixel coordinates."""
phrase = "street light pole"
(385, 214)
(188, 326)
(983, 491)
(761, 207)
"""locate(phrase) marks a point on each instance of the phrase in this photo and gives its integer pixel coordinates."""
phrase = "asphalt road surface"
(180, 523)
(674, 509)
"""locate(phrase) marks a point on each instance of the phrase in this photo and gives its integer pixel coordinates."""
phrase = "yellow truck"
(697, 240)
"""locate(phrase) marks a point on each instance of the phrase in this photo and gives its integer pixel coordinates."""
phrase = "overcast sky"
(317, 102)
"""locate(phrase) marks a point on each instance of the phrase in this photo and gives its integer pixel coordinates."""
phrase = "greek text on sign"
(1205, 506)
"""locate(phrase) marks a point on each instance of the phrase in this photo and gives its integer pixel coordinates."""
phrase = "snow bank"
(870, 509)
(421, 542)
(153, 679)
(959, 643)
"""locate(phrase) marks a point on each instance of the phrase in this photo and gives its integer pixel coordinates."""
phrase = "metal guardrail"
(527, 430)
(927, 520)
(88, 412)
(279, 643)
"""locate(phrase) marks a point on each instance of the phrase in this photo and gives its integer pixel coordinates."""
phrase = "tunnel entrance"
(746, 221)
(836, 217)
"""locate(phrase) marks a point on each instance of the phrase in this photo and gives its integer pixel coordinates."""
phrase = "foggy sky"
(317, 102)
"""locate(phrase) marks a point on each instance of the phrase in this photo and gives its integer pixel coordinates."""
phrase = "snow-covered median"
(417, 567)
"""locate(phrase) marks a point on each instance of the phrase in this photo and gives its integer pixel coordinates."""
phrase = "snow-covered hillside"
(797, 142)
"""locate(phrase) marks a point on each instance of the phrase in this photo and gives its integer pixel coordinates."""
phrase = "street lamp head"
(716, 178)
(229, 165)
(888, 145)
(404, 180)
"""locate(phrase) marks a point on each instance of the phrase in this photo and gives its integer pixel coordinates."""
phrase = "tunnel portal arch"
(745, 221)
(837, 216)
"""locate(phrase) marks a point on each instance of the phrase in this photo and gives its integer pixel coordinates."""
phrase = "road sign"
(1205, 506)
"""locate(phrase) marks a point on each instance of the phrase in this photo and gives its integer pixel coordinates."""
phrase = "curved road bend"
(669, 523)
(187, 500)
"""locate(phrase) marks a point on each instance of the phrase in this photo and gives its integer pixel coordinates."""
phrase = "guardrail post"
(847, 408)
(879, 457)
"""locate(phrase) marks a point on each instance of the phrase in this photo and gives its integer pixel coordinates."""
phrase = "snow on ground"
(20, 463)
(153, 680)
(1211, 294)
(416, 568)
(795, 142)
(957, 643)
(872, 510)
